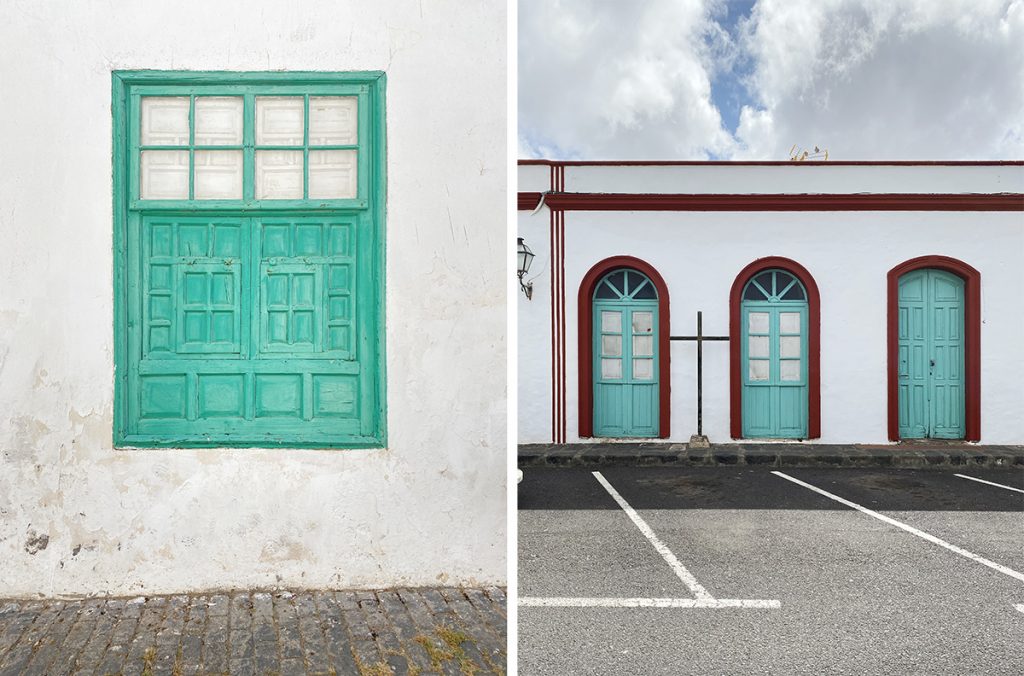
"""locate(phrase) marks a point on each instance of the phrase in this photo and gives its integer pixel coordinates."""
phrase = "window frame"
(127, 88)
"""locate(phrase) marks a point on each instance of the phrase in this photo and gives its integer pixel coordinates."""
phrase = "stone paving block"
(382, 630)
(466, 617)
(367, 654)
(488, 610)
(313, 642)
(77, 637)
(339, 641)
(240, 612)
(107, 616)
(287, 619)
(266, 658)
(263, 628)
(246, 667)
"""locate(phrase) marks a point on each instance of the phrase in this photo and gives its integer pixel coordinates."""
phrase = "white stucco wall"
(794, 177)
(428, 509)
(534, 331)
(849, 253)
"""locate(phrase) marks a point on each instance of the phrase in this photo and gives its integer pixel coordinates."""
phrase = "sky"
(749, 79)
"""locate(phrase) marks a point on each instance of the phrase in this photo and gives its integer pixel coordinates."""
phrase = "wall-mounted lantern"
(525, 259)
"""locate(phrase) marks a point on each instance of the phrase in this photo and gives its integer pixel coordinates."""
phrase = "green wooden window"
(249, 259)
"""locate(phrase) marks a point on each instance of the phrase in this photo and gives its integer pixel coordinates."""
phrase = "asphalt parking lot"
(753, 571)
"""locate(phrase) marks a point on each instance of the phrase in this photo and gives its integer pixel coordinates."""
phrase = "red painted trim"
(527, 201)
(561, 316)
(813, 343)
(972, 339)
(557, 243)
(554, 332)
(585, 346)
(777, 202)
(773, 163)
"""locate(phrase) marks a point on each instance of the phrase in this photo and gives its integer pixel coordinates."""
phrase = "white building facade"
(240, 332)
(841, 302)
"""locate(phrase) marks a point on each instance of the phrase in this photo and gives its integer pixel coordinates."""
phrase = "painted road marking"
(1019, 606)
(910, 529)
(990, 483)
(680, 570)
(568, 602)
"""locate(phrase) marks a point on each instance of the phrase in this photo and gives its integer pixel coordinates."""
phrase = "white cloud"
(917, 79)
(617, 79)
(881, 79)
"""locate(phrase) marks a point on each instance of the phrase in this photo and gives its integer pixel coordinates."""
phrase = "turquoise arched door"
(774, 356)
(625, 353)
(931, 355)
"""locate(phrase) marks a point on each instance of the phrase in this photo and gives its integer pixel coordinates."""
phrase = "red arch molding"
(972, 338)
(813, 343)
(585, 311)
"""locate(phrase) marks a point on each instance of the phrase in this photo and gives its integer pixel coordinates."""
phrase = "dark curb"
(648, 454)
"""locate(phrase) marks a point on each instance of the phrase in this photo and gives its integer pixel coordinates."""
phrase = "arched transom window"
(774, 286)
(625, 285)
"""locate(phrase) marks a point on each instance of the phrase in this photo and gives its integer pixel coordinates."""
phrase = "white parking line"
(990, 483)
(1019, 606)
(571, 602)
(680, 570)
(910, 529)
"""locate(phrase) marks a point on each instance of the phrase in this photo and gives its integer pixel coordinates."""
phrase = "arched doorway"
(934, 347)
(774, 356)
(625, 351)
(589, 337)
(772, 299)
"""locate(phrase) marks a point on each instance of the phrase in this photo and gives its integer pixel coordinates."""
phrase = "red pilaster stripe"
(557, 235)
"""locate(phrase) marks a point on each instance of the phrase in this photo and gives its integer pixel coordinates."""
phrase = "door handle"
(932, 362)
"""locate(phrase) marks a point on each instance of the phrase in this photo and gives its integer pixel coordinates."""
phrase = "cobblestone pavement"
(402, 631)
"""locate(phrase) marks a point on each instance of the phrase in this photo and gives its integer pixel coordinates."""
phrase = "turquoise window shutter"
(249, 259)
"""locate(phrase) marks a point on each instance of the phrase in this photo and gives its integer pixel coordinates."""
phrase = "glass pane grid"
(230, 147)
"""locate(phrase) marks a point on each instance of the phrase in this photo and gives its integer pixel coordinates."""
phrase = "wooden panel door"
(931, 355)
(774, 357)
(625, 356)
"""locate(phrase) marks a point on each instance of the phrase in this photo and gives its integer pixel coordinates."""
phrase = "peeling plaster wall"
(77, 516)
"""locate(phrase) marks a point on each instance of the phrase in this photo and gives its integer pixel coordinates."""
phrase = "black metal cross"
(700, 338)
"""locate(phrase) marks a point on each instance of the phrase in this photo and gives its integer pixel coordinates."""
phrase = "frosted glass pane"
(790, 370)
(218, 120)
(643, 369)
(164, 121)
(278, 174)
(611, 346)
(611, 322)
(758, 370)
(164, 175)
(332, 174)
(332, 120)
(218, 175)
(642, 322)
(611, 368)
(758, 322)
(789, 322)
(790, 346)
(643, 346)
(757, 346)
(279, 120)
